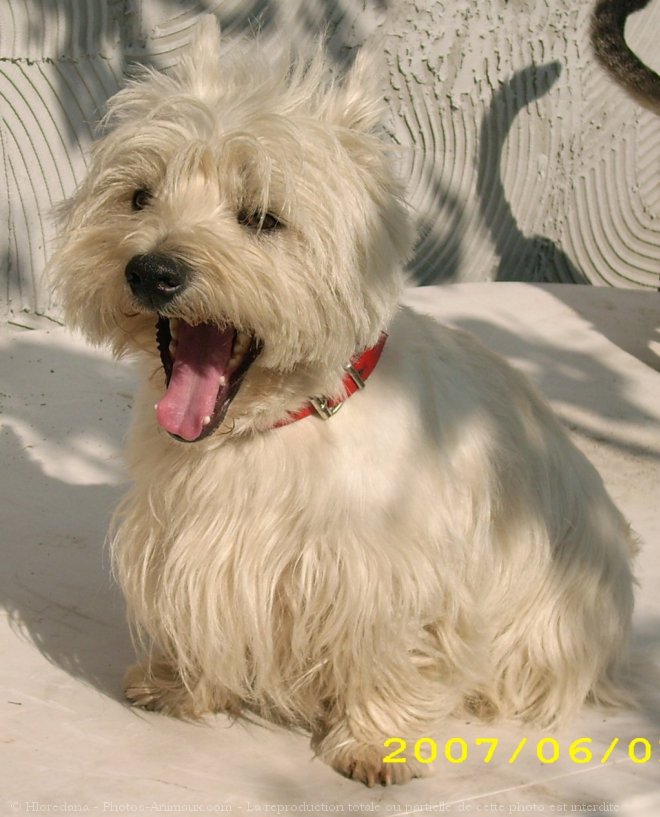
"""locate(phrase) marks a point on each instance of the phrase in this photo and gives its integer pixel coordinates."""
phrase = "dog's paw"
(365, 764)
(159, 688)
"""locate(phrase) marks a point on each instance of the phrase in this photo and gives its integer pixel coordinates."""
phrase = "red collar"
(357, 371)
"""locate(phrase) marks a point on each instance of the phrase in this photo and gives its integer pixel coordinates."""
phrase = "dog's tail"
(608, 23)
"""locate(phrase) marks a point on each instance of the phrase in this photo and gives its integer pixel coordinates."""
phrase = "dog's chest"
(271, 561)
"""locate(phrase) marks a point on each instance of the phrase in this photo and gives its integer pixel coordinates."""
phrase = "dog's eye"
(256, 220)
(140, 199)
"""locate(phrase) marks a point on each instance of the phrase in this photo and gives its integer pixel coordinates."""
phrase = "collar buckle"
(322, 405)
(323, 408)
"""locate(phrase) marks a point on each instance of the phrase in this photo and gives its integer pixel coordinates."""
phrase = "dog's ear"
(201, 56)
(359, 103)
(206, 37)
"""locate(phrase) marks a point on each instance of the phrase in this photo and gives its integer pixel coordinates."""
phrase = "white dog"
(353, 532)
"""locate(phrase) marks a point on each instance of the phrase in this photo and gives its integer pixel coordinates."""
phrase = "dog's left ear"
(359, 101)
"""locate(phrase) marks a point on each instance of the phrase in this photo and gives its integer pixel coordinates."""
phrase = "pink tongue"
(202, 359)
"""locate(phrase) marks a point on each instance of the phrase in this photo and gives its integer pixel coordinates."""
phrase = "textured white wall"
(523, 160)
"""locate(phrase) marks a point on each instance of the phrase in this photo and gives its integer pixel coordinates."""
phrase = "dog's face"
(235, 215)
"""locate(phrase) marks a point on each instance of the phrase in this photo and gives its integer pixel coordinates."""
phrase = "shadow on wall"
(533, 258)
(438, 260)
(521, 257)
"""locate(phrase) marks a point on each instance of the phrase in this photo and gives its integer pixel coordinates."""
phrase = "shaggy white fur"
(438, 544)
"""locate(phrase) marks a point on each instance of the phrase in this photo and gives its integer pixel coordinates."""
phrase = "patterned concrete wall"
(523, 161)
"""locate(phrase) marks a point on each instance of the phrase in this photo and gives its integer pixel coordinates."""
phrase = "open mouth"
(204, 366)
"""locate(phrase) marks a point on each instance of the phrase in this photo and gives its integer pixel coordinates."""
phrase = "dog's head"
(236, 216)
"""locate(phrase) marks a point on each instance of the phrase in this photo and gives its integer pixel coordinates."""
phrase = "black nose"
(155, 279)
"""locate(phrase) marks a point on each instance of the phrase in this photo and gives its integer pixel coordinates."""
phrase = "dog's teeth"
(155, 406)
(174, 328)
(173, 348)
(223, 380)
(206, 420)
(241, 343)
(239, 349)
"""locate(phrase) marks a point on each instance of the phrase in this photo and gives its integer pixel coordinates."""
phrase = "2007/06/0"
(548, 750)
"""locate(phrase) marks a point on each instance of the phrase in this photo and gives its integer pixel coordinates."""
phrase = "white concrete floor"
(68, 744)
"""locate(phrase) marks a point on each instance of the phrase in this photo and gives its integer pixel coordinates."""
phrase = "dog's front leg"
(354, 735)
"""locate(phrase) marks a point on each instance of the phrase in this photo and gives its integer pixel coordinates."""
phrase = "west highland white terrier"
(344, 516)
